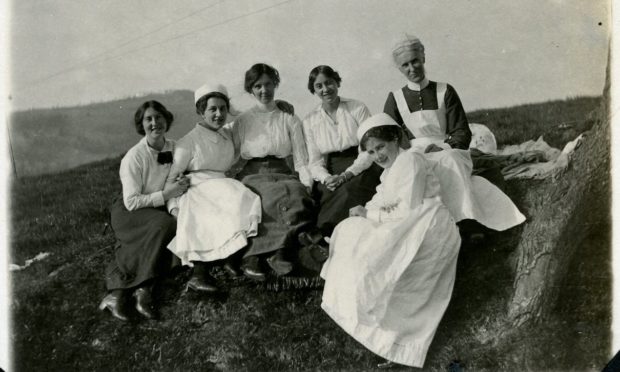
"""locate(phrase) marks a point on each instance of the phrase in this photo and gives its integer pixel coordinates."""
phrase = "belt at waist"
(350, 152)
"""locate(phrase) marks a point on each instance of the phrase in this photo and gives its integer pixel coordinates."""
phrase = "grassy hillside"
(49, 140)
(56, 324)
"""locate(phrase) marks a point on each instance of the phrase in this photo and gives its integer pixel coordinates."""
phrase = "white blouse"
(403, 187)
(202, 149)
(273, 133)
(142, 177)
(324, 136)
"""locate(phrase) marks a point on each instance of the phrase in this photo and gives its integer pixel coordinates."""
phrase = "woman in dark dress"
(139, 219)
(346, 178)
(273, 164)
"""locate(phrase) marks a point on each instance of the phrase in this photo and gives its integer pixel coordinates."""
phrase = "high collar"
(418, 87)
(167, 146)
(212, 135)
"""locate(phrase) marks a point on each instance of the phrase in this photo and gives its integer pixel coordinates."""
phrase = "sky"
(496, 53)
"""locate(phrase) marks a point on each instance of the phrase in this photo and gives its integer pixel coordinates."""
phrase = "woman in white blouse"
(139, 219)
(217, 214)
(274, 165)
(392, 264)
(345, 177)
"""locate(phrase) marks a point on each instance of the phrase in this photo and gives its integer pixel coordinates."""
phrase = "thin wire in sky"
(93, 60)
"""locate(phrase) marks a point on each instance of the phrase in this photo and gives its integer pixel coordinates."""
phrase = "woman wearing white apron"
(217, 215)
(391, 269)
(445, 144)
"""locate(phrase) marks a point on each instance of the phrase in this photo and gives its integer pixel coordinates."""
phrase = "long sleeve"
(238, 161)
(181, 158)
(130, 173)
(316, 161)
(402, 189)
(363, 160)
(457, 126)
(300, 152)
(361, 163)
(391, 109)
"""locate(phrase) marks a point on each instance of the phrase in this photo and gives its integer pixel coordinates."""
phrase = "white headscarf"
(209, 88)
(214, 88)
(407, 42)
(377, 120)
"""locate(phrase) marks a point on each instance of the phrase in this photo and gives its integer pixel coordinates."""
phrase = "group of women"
(248, 194)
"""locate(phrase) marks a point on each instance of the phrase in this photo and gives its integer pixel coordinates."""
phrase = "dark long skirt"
(334, 205)
(140, 253)
(485, 167)
(286, 205)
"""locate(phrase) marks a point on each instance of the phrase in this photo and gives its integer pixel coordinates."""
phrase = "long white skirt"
(216, 216)
(389, 284)
(472, 197)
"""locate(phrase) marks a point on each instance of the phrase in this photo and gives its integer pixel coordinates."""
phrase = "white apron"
(466, 196)
(216, 216)
(388, 284)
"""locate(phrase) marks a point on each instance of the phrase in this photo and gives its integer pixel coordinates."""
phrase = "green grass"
(56, 324)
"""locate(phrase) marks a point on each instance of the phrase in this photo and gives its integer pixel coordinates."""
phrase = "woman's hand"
(177, 188)
(332, 182)
(432, 148)
(358, 211)
(285, 107)
(175, 212)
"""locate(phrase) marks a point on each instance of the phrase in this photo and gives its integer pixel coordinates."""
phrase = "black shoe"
(279, 264)
(114, 303)
(310, 237)
(230, 268)
(319, 253)
(251, 268)
(202, 283)
(144, 303)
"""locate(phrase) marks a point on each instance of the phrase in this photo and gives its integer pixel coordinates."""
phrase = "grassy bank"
(56, 324)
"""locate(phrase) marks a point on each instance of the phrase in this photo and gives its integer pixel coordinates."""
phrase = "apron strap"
(441, 92)
(401, 103)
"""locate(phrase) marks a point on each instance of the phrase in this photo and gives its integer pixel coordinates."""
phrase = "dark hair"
(139, 115)
(255, 72)
(325, 70)
(385, 133)
(201, 105)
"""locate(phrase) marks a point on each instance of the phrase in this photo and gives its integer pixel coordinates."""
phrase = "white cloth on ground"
(556, 162)
(472, 197)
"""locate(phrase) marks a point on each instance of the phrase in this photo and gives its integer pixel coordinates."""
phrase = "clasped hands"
(176, 188)
(335, 181)
(360, 211)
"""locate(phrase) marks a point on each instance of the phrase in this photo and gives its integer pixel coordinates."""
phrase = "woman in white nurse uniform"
(392, 264)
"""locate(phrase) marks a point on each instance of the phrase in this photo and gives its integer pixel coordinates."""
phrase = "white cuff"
(158, 199)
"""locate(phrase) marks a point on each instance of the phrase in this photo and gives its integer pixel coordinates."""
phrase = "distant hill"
(50, 140)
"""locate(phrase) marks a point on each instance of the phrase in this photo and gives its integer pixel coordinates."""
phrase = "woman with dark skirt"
(345, 177)
(273, 164)
(139, 219)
